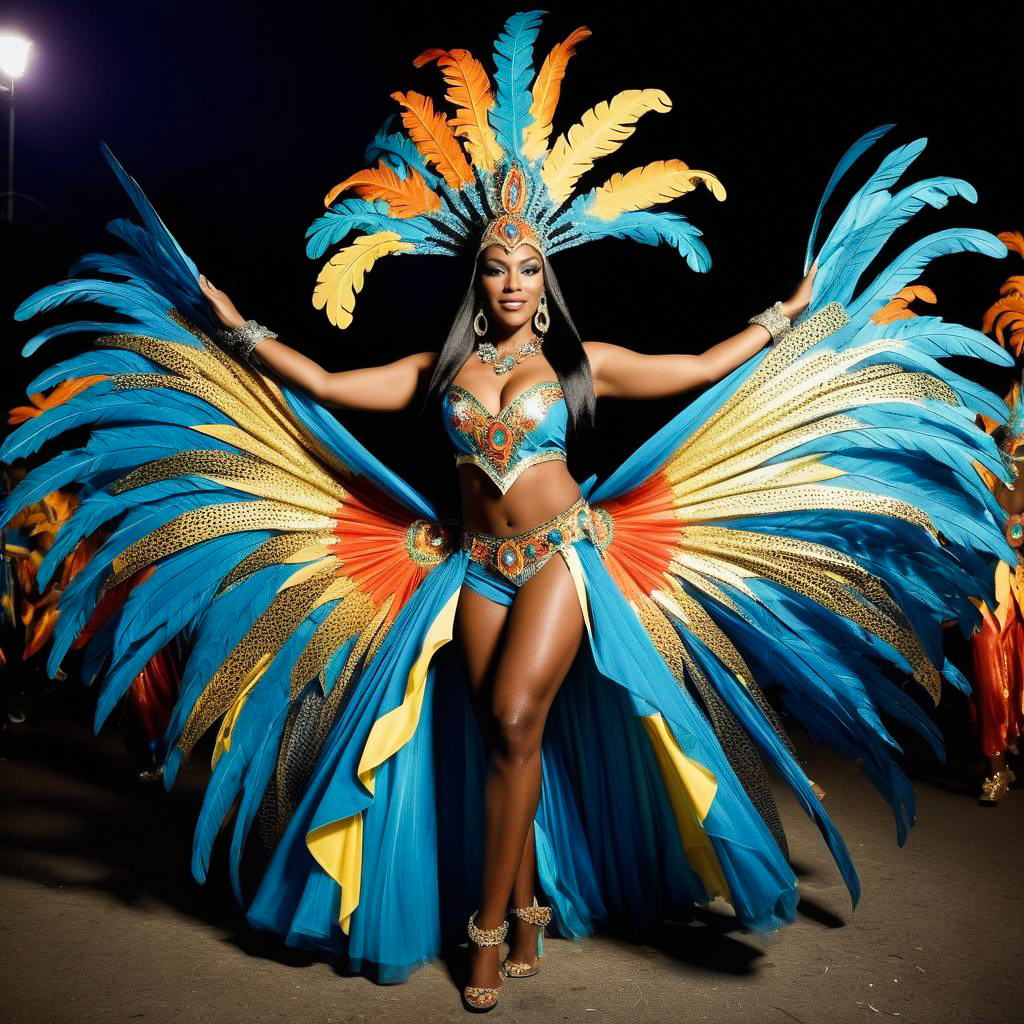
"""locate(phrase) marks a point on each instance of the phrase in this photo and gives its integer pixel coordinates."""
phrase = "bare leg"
(480, 623)
(542, 634)
(522, 937)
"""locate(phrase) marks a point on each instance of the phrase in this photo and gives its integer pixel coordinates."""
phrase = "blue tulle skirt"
(608, 839)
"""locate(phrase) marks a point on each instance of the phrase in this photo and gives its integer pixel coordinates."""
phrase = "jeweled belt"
(518, 557)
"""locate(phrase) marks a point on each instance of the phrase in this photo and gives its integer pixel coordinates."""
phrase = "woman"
(517, 649)
(808, 522)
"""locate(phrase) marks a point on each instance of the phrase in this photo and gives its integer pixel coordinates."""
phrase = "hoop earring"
(480, 330)
(541, 320)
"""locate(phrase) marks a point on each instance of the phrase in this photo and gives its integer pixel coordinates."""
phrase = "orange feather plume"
(547, 88)
(433, 137)
(470, 93)
(408, 197)
(898, 307)
(646, 537)
(67, 389)
(1006, 315)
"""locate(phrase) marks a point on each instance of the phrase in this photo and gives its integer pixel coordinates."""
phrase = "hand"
(222, 306)
(798, 301)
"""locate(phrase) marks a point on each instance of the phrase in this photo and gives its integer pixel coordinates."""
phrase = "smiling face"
(510, 286)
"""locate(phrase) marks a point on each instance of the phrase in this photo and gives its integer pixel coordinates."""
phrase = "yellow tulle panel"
(338, 845)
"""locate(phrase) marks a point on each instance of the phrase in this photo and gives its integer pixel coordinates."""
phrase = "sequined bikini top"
(529, 430)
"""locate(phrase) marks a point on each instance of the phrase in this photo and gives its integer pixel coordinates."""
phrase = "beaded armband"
(774, 321)
(246, 337)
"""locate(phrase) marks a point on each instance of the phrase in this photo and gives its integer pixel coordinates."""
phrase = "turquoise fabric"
(490, 584)
(530, 428)
(608, 847)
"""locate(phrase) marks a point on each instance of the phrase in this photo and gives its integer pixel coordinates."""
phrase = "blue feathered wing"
(822, 520)
(236, 513)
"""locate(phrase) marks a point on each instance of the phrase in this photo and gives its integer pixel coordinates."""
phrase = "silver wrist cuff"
(246, 337)
(773, 320)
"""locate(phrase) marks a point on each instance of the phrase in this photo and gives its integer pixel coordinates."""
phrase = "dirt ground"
(103, 921)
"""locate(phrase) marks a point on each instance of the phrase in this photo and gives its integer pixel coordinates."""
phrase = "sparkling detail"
(1015, 529)
(518, 557)
(487, 353)
(427, 543)
(497, 439)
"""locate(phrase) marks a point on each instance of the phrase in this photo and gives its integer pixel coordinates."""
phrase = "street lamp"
(13, 58)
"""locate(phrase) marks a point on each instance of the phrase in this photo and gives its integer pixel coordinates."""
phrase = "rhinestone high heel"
(995, 786)
(536, 915)
(478, 998)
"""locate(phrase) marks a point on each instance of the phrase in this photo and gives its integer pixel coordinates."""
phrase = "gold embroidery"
(497, 439)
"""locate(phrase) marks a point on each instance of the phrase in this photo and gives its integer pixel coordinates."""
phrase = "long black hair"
(563, 349)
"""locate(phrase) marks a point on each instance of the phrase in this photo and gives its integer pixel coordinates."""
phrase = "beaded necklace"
(488, 353)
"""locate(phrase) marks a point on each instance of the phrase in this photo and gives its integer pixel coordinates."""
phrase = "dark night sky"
(237, 118)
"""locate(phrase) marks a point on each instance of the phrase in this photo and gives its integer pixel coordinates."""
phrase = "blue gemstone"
(1016, 530)
(530, 551)
(499, 437)
(555, 536)
(509, 558)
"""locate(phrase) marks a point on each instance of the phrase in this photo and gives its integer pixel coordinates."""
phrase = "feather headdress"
(488, 175)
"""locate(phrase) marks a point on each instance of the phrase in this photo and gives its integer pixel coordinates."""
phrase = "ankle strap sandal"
(479, 998)
(536, 915)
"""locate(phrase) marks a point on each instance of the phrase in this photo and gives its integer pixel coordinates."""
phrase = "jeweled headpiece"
(503, 185)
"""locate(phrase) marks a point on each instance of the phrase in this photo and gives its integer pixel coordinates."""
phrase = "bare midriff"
(542, 492)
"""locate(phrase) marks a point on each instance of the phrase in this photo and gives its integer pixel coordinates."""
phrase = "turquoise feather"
(363, 215)
(399, 151)
(863, 143)
(514, 71)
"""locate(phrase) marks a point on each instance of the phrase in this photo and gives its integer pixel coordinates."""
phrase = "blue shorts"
(489, 583)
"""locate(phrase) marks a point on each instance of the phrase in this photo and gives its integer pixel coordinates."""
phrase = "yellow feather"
(342, 275)
(641, 187)
(547, 87)
(600, 131)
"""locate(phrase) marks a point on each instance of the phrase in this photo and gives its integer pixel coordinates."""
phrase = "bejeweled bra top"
(529, 430)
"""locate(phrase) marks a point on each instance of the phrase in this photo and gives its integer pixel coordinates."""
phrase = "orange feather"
(898, 307)
(408, 197)
(547, 88)
(58, 396)
(647, 533)
(470, 93)
(1013, 240)
(372, 531)
(433, 137)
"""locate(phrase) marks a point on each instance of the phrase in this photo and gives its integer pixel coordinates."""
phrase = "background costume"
(997, 708)
(807, 523)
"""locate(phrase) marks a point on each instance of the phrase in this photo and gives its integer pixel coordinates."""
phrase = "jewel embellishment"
(1015, 529)
(517, 558)
(497, 438)
(488, 354)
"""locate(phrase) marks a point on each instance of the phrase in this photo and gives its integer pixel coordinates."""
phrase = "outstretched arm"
(380, 388)
(622, 373)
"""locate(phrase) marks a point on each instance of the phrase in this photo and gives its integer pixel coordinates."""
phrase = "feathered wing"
(235, 514)
(821, 519)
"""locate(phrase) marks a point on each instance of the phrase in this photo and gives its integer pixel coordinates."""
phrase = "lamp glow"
(13, 54)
